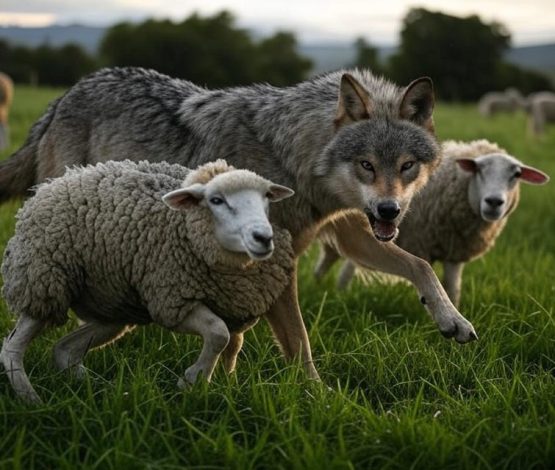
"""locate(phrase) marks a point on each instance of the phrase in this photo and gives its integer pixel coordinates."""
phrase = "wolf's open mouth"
(384, 230)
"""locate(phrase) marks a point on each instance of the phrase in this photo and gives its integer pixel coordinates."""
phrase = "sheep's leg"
(356, 241)
(214, 332)
(13, 350)
(452, 275)
(229, 355)
(288, 327)
(346, 274)
(70, 350)
(328, 257)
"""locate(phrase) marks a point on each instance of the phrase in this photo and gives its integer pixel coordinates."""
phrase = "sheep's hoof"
(31, 397)
(191, 376)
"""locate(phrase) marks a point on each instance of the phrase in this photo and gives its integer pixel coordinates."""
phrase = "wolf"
(353, 146)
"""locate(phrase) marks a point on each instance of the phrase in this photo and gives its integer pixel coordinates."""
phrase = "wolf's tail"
(18, 173)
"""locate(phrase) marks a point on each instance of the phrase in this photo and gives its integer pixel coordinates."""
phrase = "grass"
(396, 394)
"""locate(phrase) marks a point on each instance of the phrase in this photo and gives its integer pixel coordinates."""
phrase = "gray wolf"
(100, 240)
(459, 214)
(353, 146)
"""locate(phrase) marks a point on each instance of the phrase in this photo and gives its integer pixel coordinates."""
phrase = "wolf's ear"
(417, 104)
(184, 198)
(354, 102)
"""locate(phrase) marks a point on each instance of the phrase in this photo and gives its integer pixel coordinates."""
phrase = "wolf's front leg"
(288, 327)
(355, 240)
(214, 332)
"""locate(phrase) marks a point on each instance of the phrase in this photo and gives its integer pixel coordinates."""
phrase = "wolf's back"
(18, 172)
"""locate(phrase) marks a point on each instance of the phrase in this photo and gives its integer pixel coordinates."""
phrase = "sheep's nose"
(494, 201)
(264, 238)
(388, 210)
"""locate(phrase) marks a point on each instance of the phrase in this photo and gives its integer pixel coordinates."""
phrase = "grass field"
(397, 395)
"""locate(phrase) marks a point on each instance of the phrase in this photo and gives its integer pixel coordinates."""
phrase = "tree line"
(464, 56)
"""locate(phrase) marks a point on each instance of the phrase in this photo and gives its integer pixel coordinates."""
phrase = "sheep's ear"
(417, 104)
(354, 103)
(277, 192)
(184, 198)
(467, 164)
(532, 175)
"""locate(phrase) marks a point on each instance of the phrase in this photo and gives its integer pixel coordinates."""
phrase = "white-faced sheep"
(541, 110)
(494, 102)
(6, 96)
(459, 214)
(103, 241)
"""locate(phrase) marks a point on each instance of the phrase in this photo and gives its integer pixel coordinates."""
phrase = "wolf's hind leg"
(13, 350)
(70, 350)
(229, 354)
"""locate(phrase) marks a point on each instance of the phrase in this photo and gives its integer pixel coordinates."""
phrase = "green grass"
(397, 395)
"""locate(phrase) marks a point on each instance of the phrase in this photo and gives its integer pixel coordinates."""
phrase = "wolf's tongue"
(384, 229)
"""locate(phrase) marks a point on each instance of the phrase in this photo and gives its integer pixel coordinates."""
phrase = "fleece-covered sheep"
(495, 102)
(6, 96)
(103, 241)
(541, 109)
(459, 214)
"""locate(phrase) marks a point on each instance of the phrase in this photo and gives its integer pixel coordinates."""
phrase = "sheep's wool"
(101, 241)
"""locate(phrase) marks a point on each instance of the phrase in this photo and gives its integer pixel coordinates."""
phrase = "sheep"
(126, 244)
(494, 102)
(6, 95)
(541, 110)
(459, 214)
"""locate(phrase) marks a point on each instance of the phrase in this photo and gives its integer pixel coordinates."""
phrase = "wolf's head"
(378, 157)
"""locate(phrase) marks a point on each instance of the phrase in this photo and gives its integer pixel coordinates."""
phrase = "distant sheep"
(541, 111)
(459, 214)
(102, 241)
(495, 102)
(6, 96)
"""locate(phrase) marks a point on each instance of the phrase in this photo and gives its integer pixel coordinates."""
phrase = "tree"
(208, 50)
(460, 54)
(367, 56)
(278, 60)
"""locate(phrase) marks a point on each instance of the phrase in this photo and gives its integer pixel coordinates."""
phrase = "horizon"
(529, 24)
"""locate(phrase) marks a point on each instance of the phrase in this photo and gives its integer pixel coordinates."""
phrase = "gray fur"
(280, 133)
(101, 241)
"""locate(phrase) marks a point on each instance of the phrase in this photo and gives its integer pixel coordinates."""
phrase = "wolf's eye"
(216, 200)
(407, 166)
(367, 165)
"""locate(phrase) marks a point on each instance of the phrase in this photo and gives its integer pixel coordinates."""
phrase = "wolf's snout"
(494, 201)
(388, 210)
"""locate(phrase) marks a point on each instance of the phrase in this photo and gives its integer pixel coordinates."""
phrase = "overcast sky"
(530, 21)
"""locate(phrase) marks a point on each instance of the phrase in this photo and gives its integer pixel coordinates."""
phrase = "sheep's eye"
(407, 166)
(367, 165)
(216, 200)
(517, 174)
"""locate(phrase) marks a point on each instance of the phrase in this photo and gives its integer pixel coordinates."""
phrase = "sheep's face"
(239, 202)
(493, 187)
